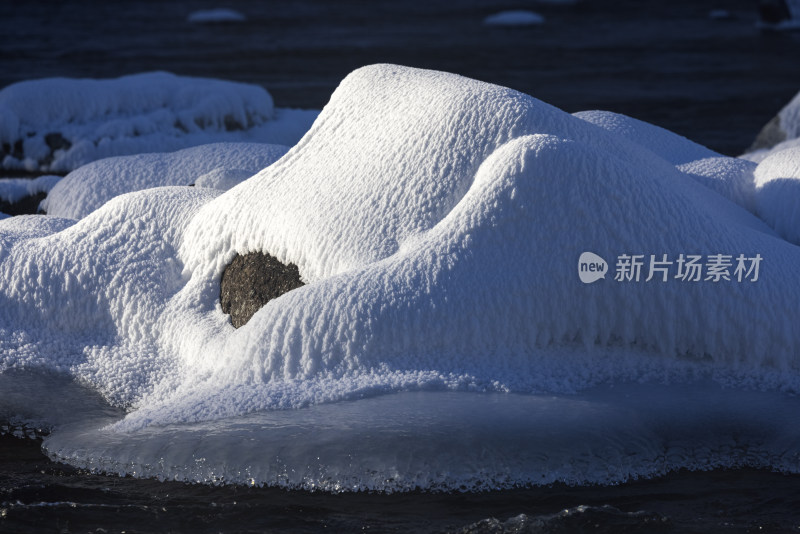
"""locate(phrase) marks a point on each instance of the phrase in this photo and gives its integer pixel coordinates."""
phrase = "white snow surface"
(516, 17)
(15, 189)
(221, 14)
(219, 165)
(437, 222)
(147, 112)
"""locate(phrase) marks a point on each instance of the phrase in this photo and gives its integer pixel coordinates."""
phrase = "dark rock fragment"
(251, 280)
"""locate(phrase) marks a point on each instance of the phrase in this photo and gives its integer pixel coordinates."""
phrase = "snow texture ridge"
(437, 222)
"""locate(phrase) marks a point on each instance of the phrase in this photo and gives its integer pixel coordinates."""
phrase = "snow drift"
(437, 222)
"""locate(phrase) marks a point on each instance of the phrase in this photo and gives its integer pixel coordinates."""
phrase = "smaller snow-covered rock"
(215, 16)
(217, 165)
(518, 17)
(57, 124)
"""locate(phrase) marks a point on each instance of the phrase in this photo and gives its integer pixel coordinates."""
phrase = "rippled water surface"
(39, 496)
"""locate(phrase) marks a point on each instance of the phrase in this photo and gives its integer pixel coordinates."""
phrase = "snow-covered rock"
(215, 16)
(518, 17)
(58, 124)
(218, 165)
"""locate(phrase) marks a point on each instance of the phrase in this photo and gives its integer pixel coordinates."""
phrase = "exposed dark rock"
(252, 280)
(769, 136)
(28, 205)
(232, 125)
(17, 150)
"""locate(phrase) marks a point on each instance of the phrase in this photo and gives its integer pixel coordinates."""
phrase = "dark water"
(665, 62)
(39, 496)
(716, 82)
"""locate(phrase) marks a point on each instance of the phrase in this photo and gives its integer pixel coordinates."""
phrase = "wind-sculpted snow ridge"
(87, 188)
(59, 124)
(437, 223)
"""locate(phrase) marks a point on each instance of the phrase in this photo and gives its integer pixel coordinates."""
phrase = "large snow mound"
(58, 124)
(438, 224)
(84, 190)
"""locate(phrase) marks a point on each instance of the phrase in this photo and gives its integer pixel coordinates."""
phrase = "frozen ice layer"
(437, 223)
(58, 124)
(218, 165)
(450, 441)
